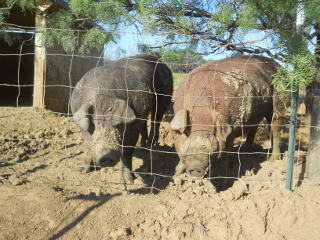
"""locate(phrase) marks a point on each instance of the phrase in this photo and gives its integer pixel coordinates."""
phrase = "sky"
(127, 45)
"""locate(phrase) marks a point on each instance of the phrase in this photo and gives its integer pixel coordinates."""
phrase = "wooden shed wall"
(63, 71)
(16, 68)
(21, 74)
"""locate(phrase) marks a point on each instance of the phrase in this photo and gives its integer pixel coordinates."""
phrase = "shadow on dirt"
(156, 171)
(158, 167)
(239, 164)
(101, 200)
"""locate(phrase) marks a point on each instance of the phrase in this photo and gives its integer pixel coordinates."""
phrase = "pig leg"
(226, 180)
(144, 134)
(180, 168)
(225, 158)
(248, 146)
(156, 117)
(126, 175)
(127, 152)
(276, 137)
(88, 158)
(277, 119)
(154, 131)
(222, 172)
(87, 163)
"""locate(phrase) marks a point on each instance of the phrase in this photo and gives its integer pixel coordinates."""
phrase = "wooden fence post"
(39, 63)
(313, 168)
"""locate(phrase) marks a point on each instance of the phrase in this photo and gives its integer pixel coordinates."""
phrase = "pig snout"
(109, 160)
(106, 155)
(196, 171)
(195, 155)
(196, 167)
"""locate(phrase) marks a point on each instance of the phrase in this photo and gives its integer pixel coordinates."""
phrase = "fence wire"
(33, 139)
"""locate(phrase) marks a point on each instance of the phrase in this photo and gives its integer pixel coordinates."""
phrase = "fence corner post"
(39, 63)
(313, 167)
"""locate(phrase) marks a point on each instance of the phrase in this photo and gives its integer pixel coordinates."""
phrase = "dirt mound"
(43, 196)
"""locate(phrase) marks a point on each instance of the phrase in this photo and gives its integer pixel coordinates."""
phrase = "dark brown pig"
(111, 105)
(219, 101)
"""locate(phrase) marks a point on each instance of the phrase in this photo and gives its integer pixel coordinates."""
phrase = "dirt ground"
(43, 196)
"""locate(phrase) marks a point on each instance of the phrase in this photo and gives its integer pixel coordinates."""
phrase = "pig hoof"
(127, 181)
(180, 168)
(275, 157)
(127, 178)
(86, 169)
(142, 144)
(246, 148)
(83, 169)
(150, 144)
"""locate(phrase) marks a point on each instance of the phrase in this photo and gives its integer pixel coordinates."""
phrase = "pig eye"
(209, 134)
(186, 133)
(91, 124)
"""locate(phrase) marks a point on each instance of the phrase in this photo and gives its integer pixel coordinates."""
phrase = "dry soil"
(43, 196)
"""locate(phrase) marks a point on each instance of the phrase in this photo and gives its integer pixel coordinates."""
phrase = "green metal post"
(294, 102)
(292, 139)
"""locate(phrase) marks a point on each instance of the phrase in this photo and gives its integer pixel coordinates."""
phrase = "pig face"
(106, 144)
(105, 121)
(198, 143)
(195, 150)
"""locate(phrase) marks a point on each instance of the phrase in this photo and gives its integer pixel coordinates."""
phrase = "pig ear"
(223, 130)
(120, 113)
(180, 121)
(82, 116)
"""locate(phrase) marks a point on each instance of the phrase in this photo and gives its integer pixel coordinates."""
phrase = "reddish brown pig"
(222, 100)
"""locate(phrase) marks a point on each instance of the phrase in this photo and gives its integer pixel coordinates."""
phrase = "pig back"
(135, 79)
(238, 88)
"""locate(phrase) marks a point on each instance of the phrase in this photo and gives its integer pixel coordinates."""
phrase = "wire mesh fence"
(43, 156)
(30, 141)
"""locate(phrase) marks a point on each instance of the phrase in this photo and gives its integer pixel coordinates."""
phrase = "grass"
(177, 78)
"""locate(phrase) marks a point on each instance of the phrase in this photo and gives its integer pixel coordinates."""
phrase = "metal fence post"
(292, 139)
(294, 102)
